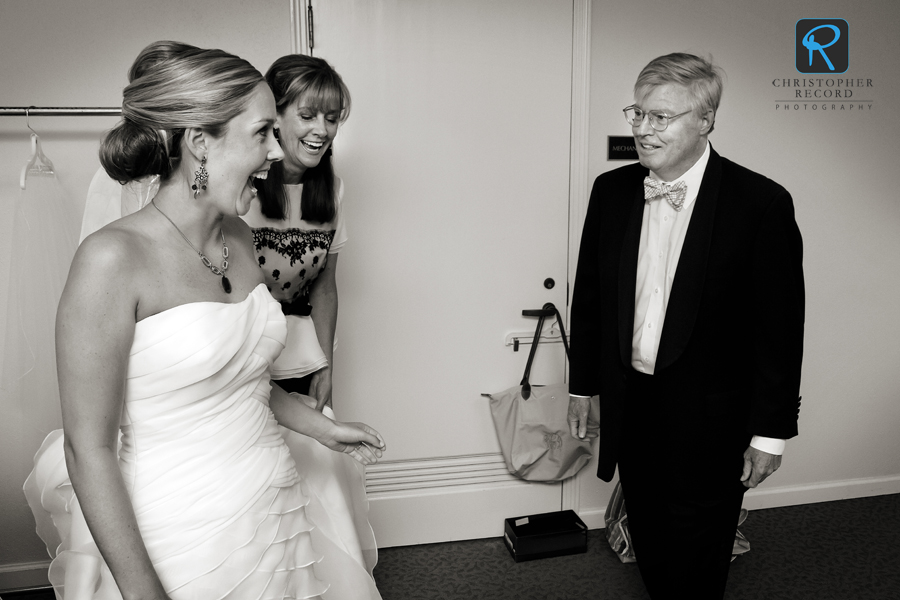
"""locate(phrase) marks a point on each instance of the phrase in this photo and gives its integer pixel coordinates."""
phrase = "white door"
(455, 162)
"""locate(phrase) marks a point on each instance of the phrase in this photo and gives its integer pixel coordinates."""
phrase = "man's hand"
(758, 465)
(578, 416)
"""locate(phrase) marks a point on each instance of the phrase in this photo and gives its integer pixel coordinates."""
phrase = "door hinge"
(309, 27)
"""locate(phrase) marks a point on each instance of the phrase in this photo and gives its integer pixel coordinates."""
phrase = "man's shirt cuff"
(766, 444)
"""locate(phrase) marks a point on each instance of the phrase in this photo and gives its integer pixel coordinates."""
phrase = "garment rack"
(59, 111)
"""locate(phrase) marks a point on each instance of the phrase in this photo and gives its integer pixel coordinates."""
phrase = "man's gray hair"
(702, 78)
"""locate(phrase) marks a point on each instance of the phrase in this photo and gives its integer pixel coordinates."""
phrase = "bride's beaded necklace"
(220, 272)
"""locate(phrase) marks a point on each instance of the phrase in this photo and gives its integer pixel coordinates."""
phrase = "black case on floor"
(545, 535)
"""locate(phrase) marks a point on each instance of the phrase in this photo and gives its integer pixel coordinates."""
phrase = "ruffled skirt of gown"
(221, 507)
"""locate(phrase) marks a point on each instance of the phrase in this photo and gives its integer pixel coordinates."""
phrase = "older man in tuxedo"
(687, 321)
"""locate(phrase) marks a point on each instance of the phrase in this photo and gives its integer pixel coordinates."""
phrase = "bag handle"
(549, 310)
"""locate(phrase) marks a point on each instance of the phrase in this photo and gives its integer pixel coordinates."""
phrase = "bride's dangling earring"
(201, 176)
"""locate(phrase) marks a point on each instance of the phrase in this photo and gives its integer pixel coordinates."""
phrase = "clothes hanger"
(38, 165)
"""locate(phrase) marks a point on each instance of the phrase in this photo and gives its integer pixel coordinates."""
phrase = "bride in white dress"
(166, 333)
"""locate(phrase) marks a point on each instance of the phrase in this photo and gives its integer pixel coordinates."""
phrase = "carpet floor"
(844, 550)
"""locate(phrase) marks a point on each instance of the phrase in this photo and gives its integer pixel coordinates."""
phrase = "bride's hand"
(358, 440)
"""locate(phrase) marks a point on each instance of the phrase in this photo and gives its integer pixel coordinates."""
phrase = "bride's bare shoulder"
(121, 244)
(111, 260)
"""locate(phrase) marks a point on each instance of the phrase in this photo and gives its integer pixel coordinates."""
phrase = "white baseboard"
(449, 498)
(594, 518)
(392, 477)
(24, 576)
(791, 495)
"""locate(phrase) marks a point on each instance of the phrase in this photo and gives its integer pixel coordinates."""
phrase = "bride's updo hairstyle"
(174, 86)
(155, 54)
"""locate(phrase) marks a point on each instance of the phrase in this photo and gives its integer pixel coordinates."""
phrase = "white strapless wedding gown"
(219, 501)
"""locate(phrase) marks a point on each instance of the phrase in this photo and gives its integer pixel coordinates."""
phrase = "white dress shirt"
(662, 237)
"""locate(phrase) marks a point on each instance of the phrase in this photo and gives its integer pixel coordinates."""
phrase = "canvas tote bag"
(531, 421)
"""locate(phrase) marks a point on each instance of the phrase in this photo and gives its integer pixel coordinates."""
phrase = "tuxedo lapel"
(628, 271)
(687, 287)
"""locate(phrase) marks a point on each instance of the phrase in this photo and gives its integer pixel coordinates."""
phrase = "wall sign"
(620, 147)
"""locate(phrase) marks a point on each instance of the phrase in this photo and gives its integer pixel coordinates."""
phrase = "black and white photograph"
(615, 316)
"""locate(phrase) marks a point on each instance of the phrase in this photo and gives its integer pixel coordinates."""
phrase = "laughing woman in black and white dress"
(297, 224)
(298, 230)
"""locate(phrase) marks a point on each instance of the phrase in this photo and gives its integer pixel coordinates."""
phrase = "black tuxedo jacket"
(732, 341)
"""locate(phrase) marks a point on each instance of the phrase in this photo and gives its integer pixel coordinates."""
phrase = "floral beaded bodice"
(291, 258)
(293, 251)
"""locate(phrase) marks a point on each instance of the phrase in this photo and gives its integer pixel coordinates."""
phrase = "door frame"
(579, 190)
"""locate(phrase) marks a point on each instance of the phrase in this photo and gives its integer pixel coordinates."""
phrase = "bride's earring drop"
(201, 176)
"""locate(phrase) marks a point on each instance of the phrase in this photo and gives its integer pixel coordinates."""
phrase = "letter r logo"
(822, 46)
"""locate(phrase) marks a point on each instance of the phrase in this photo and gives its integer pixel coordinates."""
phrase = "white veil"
(38, 238)
(108, 200)
(37, 243)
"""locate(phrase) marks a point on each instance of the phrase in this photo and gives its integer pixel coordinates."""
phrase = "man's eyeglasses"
(658, 120)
